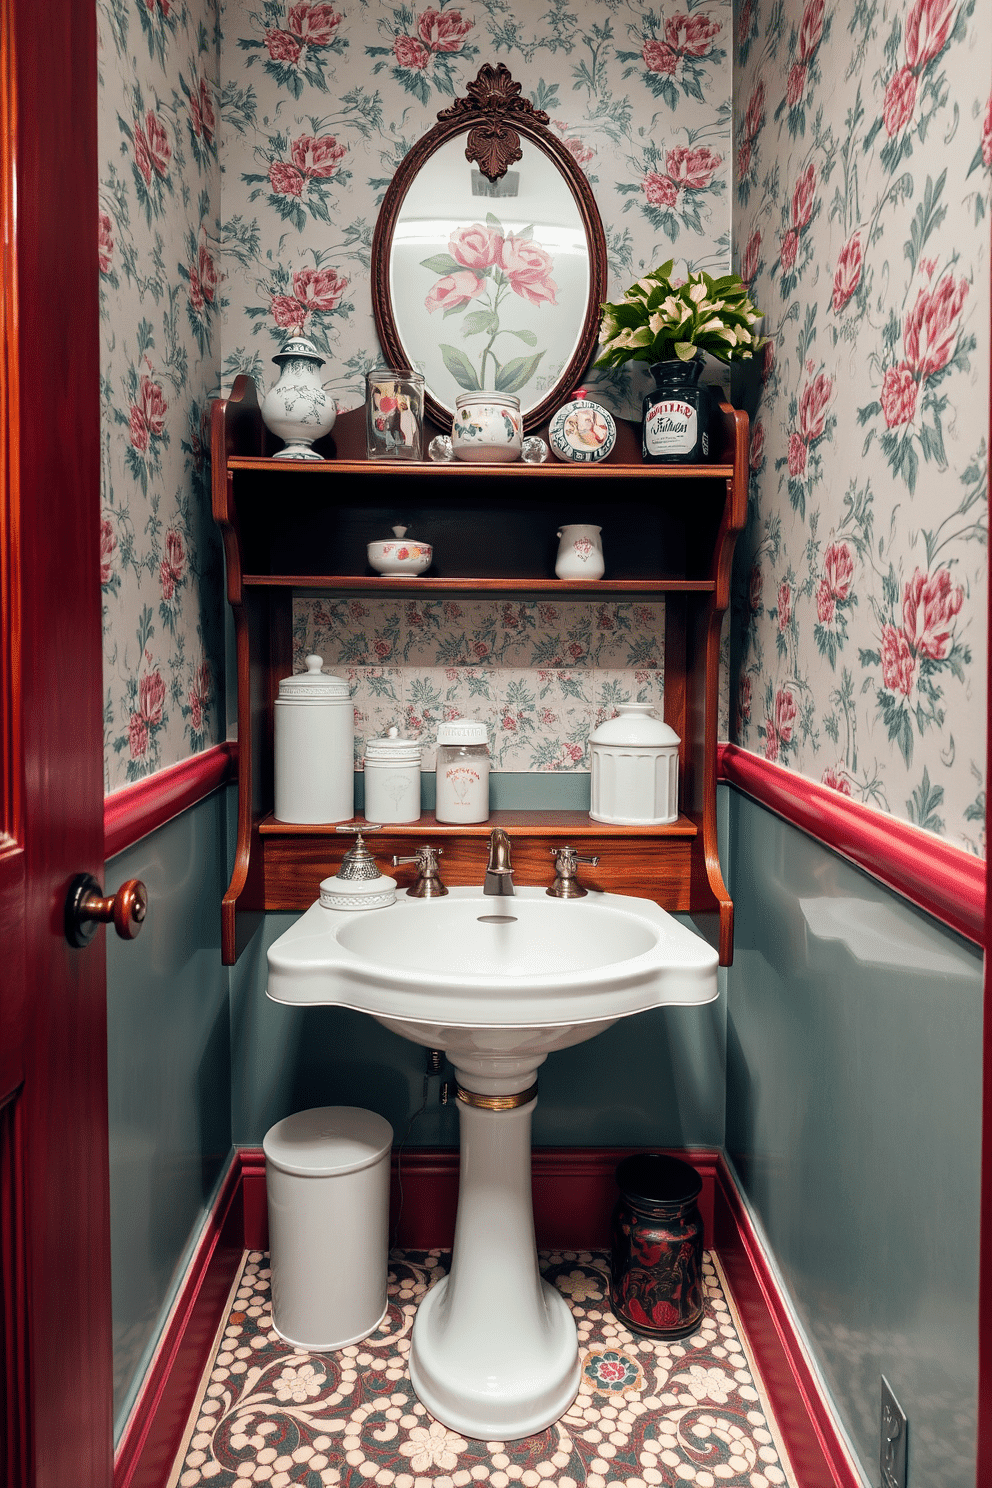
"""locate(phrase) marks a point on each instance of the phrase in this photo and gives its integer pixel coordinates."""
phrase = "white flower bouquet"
(660, 318)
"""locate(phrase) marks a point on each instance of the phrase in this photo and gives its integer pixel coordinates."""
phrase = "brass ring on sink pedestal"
(496, 1102)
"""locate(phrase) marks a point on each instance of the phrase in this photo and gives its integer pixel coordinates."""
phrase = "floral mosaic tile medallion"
(647, 1412)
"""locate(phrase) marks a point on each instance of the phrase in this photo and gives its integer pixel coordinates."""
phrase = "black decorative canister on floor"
(656, 1280)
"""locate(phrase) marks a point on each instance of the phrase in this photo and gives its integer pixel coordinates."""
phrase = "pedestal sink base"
(459, 1393)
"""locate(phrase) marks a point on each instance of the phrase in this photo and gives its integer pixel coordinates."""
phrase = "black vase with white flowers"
(669, 322)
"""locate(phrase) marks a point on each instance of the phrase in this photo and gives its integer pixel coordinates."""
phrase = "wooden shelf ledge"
(390, 584)
(520, 823)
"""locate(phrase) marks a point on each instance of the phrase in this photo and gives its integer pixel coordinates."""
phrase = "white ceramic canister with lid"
(462, 771)
(392, 779)
(634, 766)
(314, 747)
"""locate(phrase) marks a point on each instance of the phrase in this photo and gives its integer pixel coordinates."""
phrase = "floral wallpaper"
(320, 102)
(160, 276)
(541, 675)
(863, 161)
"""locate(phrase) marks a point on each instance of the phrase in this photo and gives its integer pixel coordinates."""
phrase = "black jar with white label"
(675, 415)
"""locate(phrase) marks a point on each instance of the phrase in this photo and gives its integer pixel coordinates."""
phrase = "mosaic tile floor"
(647, 1413)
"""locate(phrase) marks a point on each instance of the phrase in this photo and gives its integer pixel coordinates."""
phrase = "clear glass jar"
(462, 771)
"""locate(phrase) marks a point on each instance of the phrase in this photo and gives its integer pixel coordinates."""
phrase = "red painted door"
(55, 1323)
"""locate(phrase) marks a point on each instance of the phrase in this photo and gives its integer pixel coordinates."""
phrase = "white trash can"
(327, 1178)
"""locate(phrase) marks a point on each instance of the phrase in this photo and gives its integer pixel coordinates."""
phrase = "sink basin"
(498, 983)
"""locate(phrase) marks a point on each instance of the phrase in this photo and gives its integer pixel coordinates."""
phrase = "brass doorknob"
(86, 907)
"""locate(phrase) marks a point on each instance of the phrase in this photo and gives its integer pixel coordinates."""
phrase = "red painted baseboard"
(154, 1430)
(932, 873)
(574, 1195)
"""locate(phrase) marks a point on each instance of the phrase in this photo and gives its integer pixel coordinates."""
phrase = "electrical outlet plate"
(892, 1446)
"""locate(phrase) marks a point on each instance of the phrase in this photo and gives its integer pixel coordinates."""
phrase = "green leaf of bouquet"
(476, 321)
(460, 368)
(454, 310)
(685, 350)
(530, 337)
(493, 221)
(515, 374)
(440, 263)
(525, 233)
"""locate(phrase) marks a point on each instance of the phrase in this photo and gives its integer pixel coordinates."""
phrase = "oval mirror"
(489, 256)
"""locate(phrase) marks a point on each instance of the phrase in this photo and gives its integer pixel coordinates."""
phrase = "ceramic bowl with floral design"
(487, 428)
(399, 556)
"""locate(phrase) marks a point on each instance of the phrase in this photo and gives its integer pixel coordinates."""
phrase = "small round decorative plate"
(582, 430)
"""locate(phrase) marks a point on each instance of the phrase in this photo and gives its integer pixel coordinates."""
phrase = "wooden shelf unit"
(669, 532)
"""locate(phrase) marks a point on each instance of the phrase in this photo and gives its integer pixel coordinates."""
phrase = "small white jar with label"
(634, 769)
(392, 779)
(314, 747)
(462, 771)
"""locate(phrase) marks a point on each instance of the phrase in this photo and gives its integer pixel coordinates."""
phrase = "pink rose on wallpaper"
(931, 329)
(898, 395)
(796, 84)
(159, 149)
(755, 589)
(757, 450)
(804, 198)
(752, 257)
(784, 604)
(207, 273)
(789, 249)
(928, 25)
(659, 190)
(137, 735)
(813, 405)
(825, 603)
(797, 454)
(108, 542)
(454, 289)
(692, 169)
(744, 159)
(443, 31)
(199, 695)
(898, 661)
(811, 29)
(754, 116)
(476, 247)
(987, 134)
(771, 741)
(744, 700)
(171, 568)
(142, 159)
(744, 20)
(580, 152)
(768, 360)
(785, 714)
(139, 430)
(284, 179)
(847, 274)
(929, 604)
(105, 243)
(287, 313)
(207, 117)
(409, 52)
(835, 782)
(318, 289)
(317, 156)
(153, 405)
(838, 565)
(151, 698)
(692, 36)
(283, 47)
(658, 57)
(315, 25)
(899, 101)
(528, 268)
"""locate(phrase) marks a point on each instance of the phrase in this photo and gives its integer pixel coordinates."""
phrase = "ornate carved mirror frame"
(493, 117)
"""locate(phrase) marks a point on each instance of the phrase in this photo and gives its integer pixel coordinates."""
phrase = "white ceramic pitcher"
(580, 552)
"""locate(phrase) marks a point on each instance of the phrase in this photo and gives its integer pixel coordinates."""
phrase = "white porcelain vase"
(296, 408)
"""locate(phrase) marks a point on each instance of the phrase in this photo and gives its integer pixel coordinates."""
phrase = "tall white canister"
(314, 747)
(634, 769)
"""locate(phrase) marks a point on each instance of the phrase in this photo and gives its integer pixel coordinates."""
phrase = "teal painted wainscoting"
(169, 1075)
(656, 1079)
(854, 1034)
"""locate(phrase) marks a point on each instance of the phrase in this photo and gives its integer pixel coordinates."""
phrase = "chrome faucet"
(499, 873)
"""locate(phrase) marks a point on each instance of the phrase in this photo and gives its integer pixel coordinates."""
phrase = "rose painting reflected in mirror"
(484, 268)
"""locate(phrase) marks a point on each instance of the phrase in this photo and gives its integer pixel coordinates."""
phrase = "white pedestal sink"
(498, 983)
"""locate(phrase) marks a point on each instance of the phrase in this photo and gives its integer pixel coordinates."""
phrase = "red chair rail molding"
(940, 878)
(135, 810)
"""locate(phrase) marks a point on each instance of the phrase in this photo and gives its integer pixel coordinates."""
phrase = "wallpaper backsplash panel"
(863, 159)
(541, 675)
(320, 103)
(159, 226)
